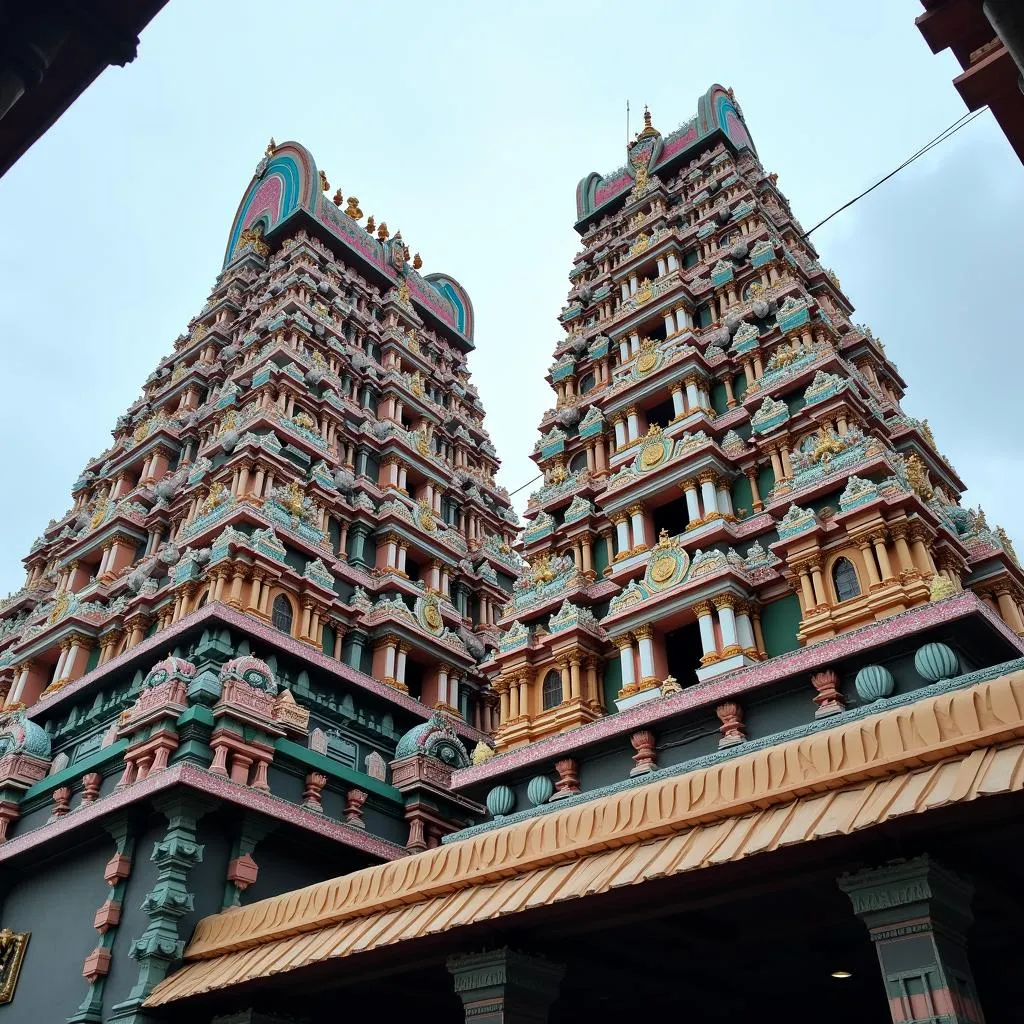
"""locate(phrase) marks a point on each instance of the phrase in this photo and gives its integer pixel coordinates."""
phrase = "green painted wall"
(765, 480)
(612, 682)
(741, 495)
(718, 398)
(779, 622)
(739, 385)
(328, 641)
(600, 556)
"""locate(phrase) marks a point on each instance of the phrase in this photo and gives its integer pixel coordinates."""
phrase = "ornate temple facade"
(292, 555)
(746, 714)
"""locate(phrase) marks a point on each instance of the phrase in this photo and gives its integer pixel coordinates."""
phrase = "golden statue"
(352, 209)
(325, 185)
(917, 474)
(558, 473)
(942, 586)
(1004, 539)
(100, 512)
(482, 752)
(338, 198)
(416, 264)
(271, 147)
(382, 231)
(403, 292)
(371, 224)
(541, 570)
(294, 498)
(214, 497)
(829, 445)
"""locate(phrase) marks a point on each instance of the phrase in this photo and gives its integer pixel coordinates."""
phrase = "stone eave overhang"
(548, 605)
(661, 247)
(622, 323)
(753, 397)
(383, 623)
(159, 438)
(678, 599)
(429, 544)
(665, 478)
(87, 819)
(157, 645)
(853, 344)
(118, 525)
(631, 392)
(737, 683)
(243, 511)
(300, 217)
(913, 439)
(587, 489)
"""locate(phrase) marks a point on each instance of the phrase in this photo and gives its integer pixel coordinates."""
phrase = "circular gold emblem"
(663, 569)
(652, 455)
(646, 362)
(432, 616)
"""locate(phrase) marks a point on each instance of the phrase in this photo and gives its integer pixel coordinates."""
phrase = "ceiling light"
(841, 974)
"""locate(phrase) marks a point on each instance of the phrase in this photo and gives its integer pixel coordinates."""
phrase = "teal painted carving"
(160, 946)
(18, 735)
(434, 738)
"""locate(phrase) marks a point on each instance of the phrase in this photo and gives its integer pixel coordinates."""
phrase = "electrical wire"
(938, 140)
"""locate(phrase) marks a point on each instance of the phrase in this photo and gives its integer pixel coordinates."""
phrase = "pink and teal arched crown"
(287, 181)
(716, 112)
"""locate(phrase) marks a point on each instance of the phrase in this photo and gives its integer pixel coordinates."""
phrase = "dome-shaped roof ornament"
(434, 738)
(648, 128)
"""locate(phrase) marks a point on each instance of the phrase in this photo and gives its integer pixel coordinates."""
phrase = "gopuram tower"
(728, 473)
(277, 579)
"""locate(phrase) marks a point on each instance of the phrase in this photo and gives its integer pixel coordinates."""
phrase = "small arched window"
(578, 462)
(844, 576)
(551, 693)
(587, 383)
(282, 614)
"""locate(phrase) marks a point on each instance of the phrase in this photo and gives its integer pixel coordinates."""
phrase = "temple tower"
(728, 472)
(279, 577)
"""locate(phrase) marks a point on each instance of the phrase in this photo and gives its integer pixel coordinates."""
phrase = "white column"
(677, 402)
(401, 558)
(632, 285)
(707, 630)
(389, 661)
(403, 479)
(453, 692)
(442, 685)
(620, 434)
(622, 535)
(661, 266)
(727, 621)
(707, 491)
(390, 556)
(637, 523)
(670, 325)
(625, 291)
(646, 647)
(19, 687)
(624, 350)
(724, 499)
(400, 666)
(745, 631)
(705, 398)
(58, 671)
(633, 427)
(692, 398)
(626, 660)
(634, 343)
(692, 505)
(673, 263)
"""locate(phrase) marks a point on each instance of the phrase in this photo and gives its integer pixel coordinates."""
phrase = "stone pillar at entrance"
(504, 987)
(918, 913)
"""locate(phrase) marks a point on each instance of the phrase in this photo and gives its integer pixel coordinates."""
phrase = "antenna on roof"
(627, 124)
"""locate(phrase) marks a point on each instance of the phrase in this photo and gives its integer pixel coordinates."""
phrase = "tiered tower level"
(729, 475)
(292, 554)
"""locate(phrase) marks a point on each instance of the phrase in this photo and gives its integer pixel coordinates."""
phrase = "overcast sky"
(467, 126)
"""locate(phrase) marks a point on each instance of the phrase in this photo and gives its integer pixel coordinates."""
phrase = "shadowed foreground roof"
(942, 750)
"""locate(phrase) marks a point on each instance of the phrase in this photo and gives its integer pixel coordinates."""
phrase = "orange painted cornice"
(945, 749)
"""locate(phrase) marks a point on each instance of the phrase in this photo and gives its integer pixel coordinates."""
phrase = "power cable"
(940, 138)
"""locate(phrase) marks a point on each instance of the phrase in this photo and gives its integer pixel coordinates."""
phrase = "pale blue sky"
(467, 126)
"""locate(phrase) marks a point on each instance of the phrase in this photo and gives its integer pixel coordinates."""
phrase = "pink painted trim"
(197, 778)
(738, 682)
(217, 612)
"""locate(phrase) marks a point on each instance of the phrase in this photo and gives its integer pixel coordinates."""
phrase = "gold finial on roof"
(271, 147)
(382, 231)
(353, 208)
(371, 224)
(338, 198)
(325, 185)
(416, 262)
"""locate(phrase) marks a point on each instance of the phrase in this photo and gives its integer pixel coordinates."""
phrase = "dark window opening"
(282, 614)
(671, 516)
(844, 576)
(551, 693)
(683, 651)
